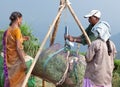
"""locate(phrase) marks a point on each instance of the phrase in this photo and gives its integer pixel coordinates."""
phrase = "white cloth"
(27, 58)
(102, 29)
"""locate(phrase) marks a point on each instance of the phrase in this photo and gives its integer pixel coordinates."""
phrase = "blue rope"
(51, 56)
(65, 48)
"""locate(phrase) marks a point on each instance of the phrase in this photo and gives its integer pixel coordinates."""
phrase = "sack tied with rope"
(53, 66)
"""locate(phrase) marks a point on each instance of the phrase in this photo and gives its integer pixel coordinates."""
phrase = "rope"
(75, 71)
(66, 48)
(65, 73)
(51, 56)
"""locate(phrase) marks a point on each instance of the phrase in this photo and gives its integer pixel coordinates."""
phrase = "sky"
(39, 14)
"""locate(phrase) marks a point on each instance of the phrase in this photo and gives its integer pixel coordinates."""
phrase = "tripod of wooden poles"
(54, 25)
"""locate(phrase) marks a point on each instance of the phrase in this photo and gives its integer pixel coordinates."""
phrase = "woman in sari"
(14, 62)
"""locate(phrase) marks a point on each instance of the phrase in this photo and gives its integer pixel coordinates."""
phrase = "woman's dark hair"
(109, 47)
(14, 16)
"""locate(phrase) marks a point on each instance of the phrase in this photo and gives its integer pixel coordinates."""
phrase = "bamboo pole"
(56, 25)
(43, 83)
(52, 39)
(54, 32)
(41, 47)
(79, 23)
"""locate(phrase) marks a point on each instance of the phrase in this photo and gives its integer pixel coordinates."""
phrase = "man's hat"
(95, 13)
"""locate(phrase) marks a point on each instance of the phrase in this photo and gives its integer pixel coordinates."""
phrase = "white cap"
(95, 13)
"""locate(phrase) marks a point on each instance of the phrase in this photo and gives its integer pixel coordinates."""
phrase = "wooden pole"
(56, 25)
(43, 83)
(54, 32)
(79, 23)
(52, 39)
(41, 47)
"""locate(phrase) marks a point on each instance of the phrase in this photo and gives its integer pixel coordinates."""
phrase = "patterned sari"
(13, 70)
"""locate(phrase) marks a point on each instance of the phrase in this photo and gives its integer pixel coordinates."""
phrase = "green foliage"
(31, 46)
(116, 74)
(117, 66)
(116, 80)
(1, 36)
(117, 62)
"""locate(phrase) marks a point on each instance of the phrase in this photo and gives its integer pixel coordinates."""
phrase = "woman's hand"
(24, 66)
(26, 38)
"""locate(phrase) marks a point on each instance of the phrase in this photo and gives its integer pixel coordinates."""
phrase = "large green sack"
(31, 81)
(52, 64)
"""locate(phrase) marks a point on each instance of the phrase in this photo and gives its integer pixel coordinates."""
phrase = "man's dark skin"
(92, 20)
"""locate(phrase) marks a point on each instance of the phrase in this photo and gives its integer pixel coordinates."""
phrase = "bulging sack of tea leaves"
(52, 65)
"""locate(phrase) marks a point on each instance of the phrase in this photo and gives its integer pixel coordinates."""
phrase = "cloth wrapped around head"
(102, 29)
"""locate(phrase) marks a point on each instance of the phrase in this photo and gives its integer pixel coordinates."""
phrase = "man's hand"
(70, 38)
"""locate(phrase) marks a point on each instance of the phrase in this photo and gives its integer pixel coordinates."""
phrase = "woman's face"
(19, 20)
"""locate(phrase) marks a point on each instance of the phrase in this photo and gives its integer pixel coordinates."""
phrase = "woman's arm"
(25, 38)
(21, 53)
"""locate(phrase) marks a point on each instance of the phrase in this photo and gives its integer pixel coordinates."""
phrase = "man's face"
(93, 20)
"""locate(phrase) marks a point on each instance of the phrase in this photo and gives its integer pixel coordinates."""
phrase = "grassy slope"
(31, 47)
